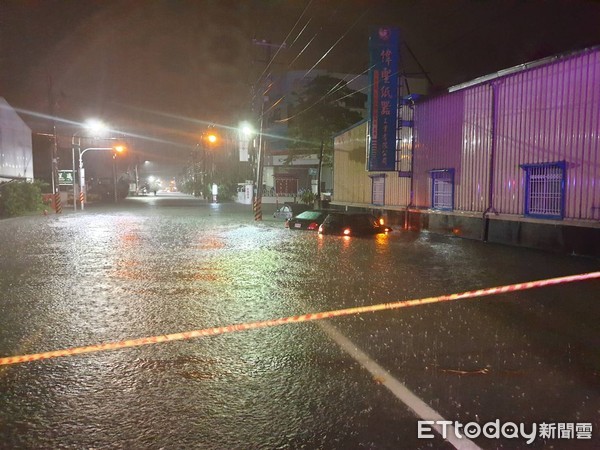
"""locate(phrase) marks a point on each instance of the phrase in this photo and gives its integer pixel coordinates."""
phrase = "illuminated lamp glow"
(346, 232)
(96, 127)
(246, 129)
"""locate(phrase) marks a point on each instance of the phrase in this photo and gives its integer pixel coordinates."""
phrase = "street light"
(116, 148)
(208, 139)
(246, 129)
(95, 128)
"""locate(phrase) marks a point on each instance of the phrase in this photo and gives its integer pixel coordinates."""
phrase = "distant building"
(16, 158)
(513, 157)
(279, 177)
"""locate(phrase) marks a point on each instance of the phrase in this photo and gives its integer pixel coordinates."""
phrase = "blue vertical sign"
(383, 76)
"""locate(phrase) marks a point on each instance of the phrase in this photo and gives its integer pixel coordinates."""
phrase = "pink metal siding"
(454, 132)
(439, 142)
(551, 114)
(472, 193)
(546, 114)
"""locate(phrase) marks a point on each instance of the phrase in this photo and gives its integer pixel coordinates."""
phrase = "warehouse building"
(512, 157)
(16, 159)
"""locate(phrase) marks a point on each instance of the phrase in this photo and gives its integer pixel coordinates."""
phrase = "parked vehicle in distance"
(352, 224)
(307, 220)
(289, 210)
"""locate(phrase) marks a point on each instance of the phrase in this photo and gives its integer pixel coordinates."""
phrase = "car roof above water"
(350, 213)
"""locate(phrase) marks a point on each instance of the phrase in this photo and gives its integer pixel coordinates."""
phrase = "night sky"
(163, 69)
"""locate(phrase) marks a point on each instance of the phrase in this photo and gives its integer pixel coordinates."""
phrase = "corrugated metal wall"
(351, 183)
(397, 190)
(439, 141)
(549, 114)
(546, 114)
(473, 192)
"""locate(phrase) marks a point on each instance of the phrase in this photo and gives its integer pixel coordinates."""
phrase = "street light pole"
(93, 126)
(81, 169)
(115, 176)
(73, 144)
(259, 176)
(208, 140)
(204, 177)
(259, 169)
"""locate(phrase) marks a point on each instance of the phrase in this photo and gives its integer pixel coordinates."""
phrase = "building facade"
(513, 157)
(281, 176)
(16, 157)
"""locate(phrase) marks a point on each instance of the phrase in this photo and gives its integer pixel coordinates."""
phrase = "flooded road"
(159, 265)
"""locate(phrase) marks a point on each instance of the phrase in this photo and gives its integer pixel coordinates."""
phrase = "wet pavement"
(156, 265)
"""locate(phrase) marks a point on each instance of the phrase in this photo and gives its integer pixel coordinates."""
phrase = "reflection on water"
(92, 278)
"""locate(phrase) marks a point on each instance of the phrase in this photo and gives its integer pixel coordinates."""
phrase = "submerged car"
(352, 224)
(307, 220)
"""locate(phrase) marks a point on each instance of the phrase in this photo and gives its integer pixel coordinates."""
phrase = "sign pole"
(74, 184)
(81, 179)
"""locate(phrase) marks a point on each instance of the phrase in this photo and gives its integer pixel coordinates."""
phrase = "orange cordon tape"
(294, 319)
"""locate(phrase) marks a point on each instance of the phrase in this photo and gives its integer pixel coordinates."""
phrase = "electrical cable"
(337, 42)
(331, 91)
(284, 42)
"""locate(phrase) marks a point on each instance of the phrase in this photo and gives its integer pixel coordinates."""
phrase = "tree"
(322, 109)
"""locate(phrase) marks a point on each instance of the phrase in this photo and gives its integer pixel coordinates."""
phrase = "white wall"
(16, 157)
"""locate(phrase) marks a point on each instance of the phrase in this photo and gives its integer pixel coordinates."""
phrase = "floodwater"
(153, 266)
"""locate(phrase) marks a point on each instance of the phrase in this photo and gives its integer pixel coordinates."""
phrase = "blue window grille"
(545, 190)
(442, 189)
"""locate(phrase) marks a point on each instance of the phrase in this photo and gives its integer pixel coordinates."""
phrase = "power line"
(339, 86)
(283, 45)
(337, 42)
(320, 59)
(300, 33)
(302, 51)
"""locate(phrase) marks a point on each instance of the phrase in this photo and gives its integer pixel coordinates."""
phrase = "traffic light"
(119, 148)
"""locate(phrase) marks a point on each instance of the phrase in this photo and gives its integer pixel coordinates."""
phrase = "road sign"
(65, 177)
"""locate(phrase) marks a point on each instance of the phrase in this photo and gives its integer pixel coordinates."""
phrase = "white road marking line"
(401, 392)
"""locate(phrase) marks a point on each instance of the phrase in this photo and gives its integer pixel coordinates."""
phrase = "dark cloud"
(142, 64)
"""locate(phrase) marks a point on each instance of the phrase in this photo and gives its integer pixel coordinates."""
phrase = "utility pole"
(319, 169)
(55, 188)
(257, 203)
